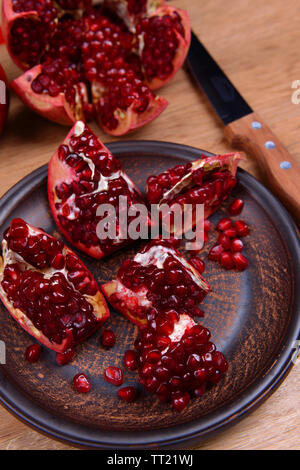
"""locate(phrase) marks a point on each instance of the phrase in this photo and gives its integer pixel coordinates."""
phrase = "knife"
(244, 129)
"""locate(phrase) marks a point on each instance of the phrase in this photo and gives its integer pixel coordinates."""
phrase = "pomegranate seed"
(226, 260)
(215, 253)
(237, 245)
(242, 228)
(130, 360)
(114, 375)
(224, 241)
(200, 391)
(32, 353)
(236, 207)
(66, 357)
(81, 383)
(108, 339)
(224, 224)
(207, 225)
(240, 261)
(180, 401)
(128, 394)
(197, 263)
(230, 232)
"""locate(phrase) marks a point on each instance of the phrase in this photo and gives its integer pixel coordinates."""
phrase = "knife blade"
(244, 129)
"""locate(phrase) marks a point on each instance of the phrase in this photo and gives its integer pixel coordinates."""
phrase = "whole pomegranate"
(82, 61)
(47, 289)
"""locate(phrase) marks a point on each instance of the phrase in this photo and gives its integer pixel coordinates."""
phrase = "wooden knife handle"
(281, 170)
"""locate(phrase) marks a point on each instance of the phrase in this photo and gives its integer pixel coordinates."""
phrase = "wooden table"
(257, 44)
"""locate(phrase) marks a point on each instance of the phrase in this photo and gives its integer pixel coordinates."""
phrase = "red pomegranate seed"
(224, 224)
(130, 360)
(114, 375)
(242, 228)
(82, 383)
(66, 357)
(237, 245)
(32, 353)
(240, 261)
(219, 361)
(200, 390)
(226, 260)
(128, 394)
(207, 226)
(197, 263)
(180, 401)
(224, 241)
(108, 339)
(215, 252)
(230, 232)
(236, 207)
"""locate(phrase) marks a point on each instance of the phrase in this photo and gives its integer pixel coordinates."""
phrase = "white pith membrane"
(103, 184)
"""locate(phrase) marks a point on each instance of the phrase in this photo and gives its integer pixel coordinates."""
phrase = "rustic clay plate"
(254, 318)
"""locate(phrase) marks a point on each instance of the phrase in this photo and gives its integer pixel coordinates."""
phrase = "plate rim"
(196, 430)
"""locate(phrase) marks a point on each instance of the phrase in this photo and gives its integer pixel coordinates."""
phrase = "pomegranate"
(47, 289)
(83, 62)
(4, 99)
(158, 279)
(82, 175)
(176, 359)
(207, 181)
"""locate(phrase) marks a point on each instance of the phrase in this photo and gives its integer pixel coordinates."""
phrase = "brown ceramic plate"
(254, 318)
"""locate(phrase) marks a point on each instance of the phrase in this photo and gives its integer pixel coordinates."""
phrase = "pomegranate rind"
(101, 310)
(120, 7)
(3, 107)
(127, 301)
(55, 109)
(183, 44)
(59, 172)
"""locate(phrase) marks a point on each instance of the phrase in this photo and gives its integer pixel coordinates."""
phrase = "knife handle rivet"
(256, 125)
(270, 145)
(285, 165)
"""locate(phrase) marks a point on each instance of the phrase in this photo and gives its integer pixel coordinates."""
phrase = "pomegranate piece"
(65, 357)
(156, 279)
(82, 176)
(128, 394)
(3, 93)
(224, 241)
(216, 252)
(207, 181)
(82, 383)
(240, 261)
(241, 228)
(114, 375)
(197, 263)
(33, 353)
(82, 62)
(224, 224)
(236, 207)
(236, 245)
(130, 360)
(59, 307)
(176, 358)
(226, 260)
(108, 339)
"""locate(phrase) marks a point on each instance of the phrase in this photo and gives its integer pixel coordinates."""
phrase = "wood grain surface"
(257, 44)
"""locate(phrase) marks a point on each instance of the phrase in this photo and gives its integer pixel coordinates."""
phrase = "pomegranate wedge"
(47, 289)
(176, 359)
(84, 62)
(83, 175)
(207, 181)
(158, 279)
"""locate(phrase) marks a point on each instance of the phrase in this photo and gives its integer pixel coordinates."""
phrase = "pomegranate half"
(157, 279)
(47, 289)
(83, 175)
(207, 181)
(4, 99)
(104, 61)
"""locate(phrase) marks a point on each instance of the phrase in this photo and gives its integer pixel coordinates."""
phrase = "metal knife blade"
(224, 97)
